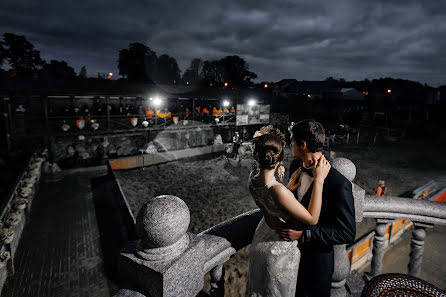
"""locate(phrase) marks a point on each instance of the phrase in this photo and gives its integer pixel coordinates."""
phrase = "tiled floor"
(59, 253)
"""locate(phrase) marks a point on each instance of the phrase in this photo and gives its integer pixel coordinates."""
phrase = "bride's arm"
(287, 200)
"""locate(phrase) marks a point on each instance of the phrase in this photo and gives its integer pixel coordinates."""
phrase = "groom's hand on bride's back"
(289, 234)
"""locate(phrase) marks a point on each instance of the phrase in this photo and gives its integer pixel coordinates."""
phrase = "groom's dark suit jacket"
(336, 226)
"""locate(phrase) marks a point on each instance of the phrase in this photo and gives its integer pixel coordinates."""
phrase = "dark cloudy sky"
(306, 40)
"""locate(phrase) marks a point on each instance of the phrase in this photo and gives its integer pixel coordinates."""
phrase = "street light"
(251, 102)
(389, 91)
(226, 103)
(157, 101)
(226, 84)
(265, 86)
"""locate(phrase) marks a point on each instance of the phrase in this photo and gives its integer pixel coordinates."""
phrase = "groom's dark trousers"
(336, 226)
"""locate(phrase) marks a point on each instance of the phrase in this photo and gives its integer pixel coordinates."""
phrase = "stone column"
(379, 243)
(166, 260)
(341, 262)
(218, 281)
(417, 248)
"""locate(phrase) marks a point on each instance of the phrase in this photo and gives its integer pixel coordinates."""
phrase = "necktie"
(309, 171)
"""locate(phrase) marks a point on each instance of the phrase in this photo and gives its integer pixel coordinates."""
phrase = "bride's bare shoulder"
(279, 190)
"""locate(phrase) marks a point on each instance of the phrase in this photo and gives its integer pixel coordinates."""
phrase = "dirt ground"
(216, 189)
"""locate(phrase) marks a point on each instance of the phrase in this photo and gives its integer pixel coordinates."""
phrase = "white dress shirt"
(305, 183)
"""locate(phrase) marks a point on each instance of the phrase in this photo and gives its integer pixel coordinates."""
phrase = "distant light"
(157, 101)
(150, 98)
(226, 84)
(309, 96)
(187, 83)
(389, 91)
(265, 86)
(225, 103)
(251, 102)
(174, 81)
(110, 75)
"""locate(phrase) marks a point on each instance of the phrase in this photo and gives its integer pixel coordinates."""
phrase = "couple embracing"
(292, 250)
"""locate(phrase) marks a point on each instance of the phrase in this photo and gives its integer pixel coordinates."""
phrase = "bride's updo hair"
(268, 147)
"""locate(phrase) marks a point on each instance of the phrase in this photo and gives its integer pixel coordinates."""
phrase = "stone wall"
(81, 150)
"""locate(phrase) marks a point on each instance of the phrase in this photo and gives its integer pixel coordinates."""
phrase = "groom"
(337, 219)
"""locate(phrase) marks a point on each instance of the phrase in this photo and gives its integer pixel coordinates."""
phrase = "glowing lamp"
(226, 84)
(157, 101)
(389, 91)
(265, 86)
(226, 103)
(110, 75)
(251, 102)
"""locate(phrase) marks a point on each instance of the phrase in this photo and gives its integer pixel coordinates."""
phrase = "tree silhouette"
(20, 54)
(231, 69)
(83, 72)
(192, 74)
(167, 70)
(137, 63)
(58, 70)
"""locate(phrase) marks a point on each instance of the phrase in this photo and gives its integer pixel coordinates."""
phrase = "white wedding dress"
(273, 263)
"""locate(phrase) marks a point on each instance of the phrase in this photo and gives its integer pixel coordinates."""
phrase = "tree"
(2, 54)
(192, 74)
(59, 70)
(231, 69)
(137, 63)
(167, 70)
(83, 72)
(20, 54)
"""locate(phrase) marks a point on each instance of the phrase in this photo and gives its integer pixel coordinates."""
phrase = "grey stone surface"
(128, 293)
(420, 211)
(358, 195)
(346, 167)
(340, 274)
(161, 225)
(416, 250)
(181, 276)
(378, 248)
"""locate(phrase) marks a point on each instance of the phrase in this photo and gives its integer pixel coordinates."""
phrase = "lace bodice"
(274, 213)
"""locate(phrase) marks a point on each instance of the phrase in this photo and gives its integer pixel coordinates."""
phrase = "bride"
(274, 263)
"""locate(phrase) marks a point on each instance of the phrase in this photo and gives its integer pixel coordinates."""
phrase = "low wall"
(158, 158)
(15, 214)
(89, 149)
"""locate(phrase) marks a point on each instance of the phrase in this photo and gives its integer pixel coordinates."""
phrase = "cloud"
(306, 40)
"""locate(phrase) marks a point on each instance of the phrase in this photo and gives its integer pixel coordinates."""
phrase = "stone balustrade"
(168, 261)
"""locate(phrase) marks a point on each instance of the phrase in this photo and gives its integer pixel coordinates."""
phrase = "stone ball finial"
(345, 167)
(162, 225)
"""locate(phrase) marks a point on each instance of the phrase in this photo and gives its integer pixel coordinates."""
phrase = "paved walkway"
(60, 253)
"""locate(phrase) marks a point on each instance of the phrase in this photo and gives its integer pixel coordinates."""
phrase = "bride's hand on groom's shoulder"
(321, 169)
(289, 234)
(293, 184)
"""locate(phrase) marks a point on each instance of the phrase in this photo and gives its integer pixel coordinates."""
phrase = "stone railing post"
(379, 243)
(166, 260)
(417, 248)
(341, 262)
(218, 281)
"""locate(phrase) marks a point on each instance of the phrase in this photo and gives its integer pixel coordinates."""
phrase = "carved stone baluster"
(218, 281)
(417, 248)
(340, 274)
(379, 243)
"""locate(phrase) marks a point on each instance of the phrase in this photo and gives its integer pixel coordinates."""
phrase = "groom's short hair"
(311, 132)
